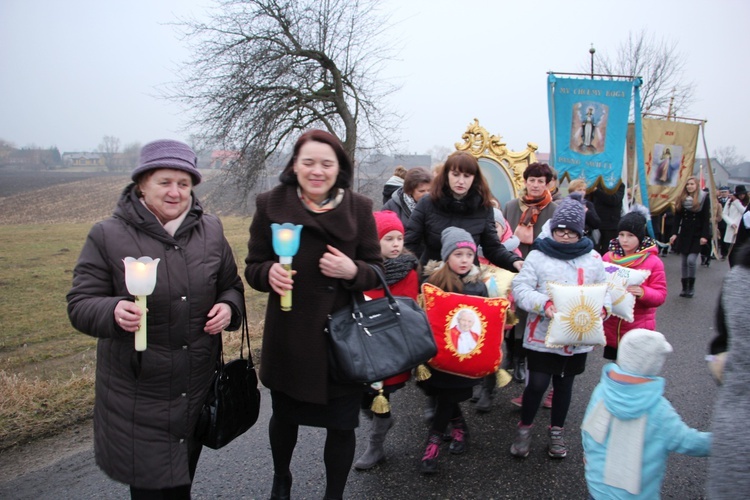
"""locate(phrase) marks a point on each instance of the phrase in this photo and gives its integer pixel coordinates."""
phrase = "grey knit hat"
(570, 214)
(453, 238)
(643, 352)
(166, 153)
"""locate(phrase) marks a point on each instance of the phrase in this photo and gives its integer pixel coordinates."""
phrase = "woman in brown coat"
(337, 242)
(148, 402)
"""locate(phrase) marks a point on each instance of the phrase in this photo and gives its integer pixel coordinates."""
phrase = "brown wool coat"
(294, 354)
(147, 406)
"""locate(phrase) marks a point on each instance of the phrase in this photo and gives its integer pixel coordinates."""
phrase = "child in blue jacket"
(630, 428)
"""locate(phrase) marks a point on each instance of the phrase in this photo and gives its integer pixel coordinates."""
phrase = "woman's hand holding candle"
(127, 316)
(280, 279)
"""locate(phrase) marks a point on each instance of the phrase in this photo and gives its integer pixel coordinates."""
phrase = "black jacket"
(429, 219)
(608, 206)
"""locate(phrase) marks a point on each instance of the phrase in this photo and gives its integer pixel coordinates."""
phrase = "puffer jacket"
(530, 293)
(397, 204)
(429, 219)
(644, 311)
(147, 404)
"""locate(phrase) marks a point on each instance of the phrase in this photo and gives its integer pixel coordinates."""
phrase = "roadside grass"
(46, 367)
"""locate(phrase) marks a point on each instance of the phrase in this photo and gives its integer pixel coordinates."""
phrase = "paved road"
(243, 469)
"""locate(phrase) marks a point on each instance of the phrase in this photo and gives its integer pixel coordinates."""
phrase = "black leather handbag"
(233, 401)
(377, 339)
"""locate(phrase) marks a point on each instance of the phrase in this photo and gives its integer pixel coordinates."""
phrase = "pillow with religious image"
(578, 320)
(468, 331)
(619, 279)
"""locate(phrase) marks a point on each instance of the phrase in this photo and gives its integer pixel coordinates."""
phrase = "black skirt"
(340, 413)
(555, 364)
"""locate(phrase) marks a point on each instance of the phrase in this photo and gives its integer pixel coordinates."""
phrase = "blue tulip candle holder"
(285, 245)
(140, 280)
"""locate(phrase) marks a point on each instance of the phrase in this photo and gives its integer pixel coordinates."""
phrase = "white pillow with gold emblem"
(578, 320)
(619, 279)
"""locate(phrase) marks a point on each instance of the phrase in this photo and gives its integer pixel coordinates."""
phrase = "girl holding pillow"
(559, 255)
(634, 249)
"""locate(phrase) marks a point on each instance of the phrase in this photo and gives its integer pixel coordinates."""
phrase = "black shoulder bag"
(377, 339)
(233, 401)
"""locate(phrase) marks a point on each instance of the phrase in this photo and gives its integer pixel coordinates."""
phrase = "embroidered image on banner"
(468, 331)
(669, 156)
(588, 127)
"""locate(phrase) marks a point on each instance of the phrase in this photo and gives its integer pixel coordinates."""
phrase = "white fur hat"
(643, 352)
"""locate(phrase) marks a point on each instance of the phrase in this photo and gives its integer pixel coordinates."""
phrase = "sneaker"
(459, 437)
(429, 459)
(547, 403)
(557, 448)
(522, 442)
(517, 401)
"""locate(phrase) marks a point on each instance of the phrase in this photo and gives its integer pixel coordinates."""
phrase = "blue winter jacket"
(664, 432)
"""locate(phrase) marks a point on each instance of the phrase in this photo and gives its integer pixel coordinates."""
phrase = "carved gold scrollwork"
(480, 144)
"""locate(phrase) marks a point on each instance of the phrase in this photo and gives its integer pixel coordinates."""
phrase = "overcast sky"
(76, 70)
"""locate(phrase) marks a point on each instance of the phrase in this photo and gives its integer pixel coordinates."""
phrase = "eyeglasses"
(565, 233)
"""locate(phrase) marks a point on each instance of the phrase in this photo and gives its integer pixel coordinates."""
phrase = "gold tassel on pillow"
(503, 377)
(422, 373)
(380, 404)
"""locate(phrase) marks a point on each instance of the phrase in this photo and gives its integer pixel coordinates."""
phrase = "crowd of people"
(444, 228)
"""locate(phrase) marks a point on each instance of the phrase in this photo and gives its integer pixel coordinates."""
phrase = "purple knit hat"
(166, 153)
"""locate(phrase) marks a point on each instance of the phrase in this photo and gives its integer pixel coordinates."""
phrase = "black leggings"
(536, 386)
(445, 411)
(338, 453)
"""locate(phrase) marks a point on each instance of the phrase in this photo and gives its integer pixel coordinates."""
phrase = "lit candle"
(285, 244)
(140, 280)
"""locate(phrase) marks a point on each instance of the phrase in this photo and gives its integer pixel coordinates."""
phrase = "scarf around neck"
(318, 208)
(397, 268)
(410, 203)
(641, 253)
(563, 251)
(533, 206)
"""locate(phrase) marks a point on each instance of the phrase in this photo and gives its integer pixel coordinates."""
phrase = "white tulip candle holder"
(285, 245)
(140, 279)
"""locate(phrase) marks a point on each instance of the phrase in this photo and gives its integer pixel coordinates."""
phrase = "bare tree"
(728, 156)
(264, 70)
(439, 154)
(661, 66)
(109, 146)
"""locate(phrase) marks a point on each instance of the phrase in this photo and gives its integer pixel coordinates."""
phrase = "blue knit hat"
(166, 153)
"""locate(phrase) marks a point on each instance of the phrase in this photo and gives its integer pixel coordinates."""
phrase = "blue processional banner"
(588, 128)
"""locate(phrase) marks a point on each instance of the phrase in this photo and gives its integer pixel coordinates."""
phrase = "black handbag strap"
(356, 312)
(245, 338)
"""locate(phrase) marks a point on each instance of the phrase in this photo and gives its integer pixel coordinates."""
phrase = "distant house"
(31, 159)
(739, 174)
(221, 158)
(721, 176)
(381, 166)
(82, 159)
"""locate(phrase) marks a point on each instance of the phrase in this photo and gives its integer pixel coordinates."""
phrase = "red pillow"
(468, 331)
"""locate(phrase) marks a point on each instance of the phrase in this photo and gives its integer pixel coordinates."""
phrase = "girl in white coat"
(561, 256)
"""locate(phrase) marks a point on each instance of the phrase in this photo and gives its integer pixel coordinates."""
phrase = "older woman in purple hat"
(148, 402)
